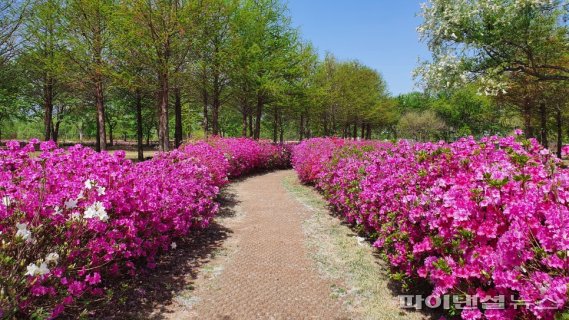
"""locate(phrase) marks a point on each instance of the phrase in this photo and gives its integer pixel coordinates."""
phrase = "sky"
(379, 33)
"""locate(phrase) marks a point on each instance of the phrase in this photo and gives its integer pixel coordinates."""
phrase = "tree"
(265, 41)
(12, 13)
(158, 31)
(491, 39)
(89, 38)
(213, 56)
(421, 126)
(44, 61)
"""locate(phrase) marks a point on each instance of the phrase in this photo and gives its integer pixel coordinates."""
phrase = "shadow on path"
(148, 294)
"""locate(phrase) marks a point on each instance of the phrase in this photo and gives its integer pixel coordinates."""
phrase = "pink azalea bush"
(482, 218)
(71, 219)
(246, 155)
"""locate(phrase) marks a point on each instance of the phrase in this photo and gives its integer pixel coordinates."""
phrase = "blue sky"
(379, 33)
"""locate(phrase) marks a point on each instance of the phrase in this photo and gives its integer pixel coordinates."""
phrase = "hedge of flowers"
(70, 219)
(483, 219)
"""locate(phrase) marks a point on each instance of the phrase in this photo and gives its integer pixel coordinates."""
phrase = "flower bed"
(486, 218)
(70, 219)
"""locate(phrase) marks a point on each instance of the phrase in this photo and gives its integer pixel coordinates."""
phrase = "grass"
(340, 254)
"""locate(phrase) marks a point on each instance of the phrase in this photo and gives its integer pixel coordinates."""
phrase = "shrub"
(71, 219)
(482, 218)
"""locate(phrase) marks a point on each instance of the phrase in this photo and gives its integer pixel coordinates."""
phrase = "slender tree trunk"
(251, 124)
(205, 99)
(216, 105)
(244, 121)
(558, 120)
(543, 119)
(368, 131)
(275, 125)
(178, 117)
(301, 128)
(98, 138)
(111, 139)
(258, 114)
(355, 133)
(139, 126)
(100, 105)
(163, 134)
(48, 107)
(362, 135)
(281, 128)
(55, 131)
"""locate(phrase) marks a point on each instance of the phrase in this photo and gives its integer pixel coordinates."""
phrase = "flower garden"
(484, 219)
(73, 219)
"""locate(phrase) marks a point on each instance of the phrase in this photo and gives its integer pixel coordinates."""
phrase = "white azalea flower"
(6, 201)
(100, 191)
(34, 270)
(71, 204)
(81, 195)
(75, 216)
(23, 231)
(89, 184)
(57, 210)
(173, 245)
(43, 269)
(96, 210)
(52, 257)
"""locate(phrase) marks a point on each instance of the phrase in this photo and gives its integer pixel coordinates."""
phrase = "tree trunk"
(281, 129)
(111, 140)
(362, 135)
(244, 121)
(100, 105)
(543, 119)
(251, 124)
(48, 107)
(139, 126)
(301, 128)
(559, 124)
(55, 131)
(97, 139)
(163, 134)
(205, 100)
(258, 114)
(275, 125)
(178, 117)
(368, 131)
(355, 133)
(216, 104)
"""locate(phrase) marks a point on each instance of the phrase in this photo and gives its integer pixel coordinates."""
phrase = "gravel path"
(265, 271)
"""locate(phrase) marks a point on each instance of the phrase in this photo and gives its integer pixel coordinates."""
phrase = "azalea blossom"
(23, 231)
(89, 184)
(52, 257)
(96, 210)
(34, 270)
(70, 204)
(6, 201)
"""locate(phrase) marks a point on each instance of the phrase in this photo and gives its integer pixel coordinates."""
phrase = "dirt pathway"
(265, 271)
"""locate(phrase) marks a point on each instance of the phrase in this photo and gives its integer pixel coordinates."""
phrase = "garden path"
(265, 271)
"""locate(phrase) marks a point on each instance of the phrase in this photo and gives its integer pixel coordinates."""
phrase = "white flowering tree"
(488, 40)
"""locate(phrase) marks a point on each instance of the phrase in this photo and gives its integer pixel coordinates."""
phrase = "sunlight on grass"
(340, 254)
